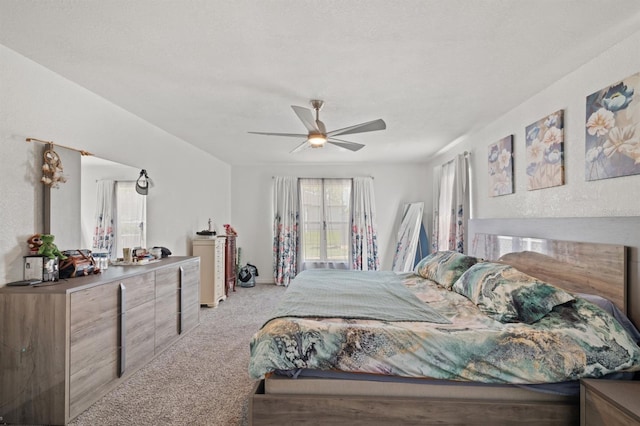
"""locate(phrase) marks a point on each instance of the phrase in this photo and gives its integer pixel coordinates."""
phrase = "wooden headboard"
(574, 266)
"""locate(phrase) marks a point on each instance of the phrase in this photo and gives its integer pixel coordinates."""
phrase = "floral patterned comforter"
(575, 340)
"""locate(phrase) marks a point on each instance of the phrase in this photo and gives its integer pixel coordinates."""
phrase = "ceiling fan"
(318, 136)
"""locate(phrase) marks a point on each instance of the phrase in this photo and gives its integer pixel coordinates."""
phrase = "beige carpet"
(202, 379)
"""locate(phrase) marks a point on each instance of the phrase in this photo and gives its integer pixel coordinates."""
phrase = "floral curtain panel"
(451, 205)
(364, 243)
(104, 231)
(285, 229)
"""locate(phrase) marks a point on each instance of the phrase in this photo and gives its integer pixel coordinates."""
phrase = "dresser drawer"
(140, 289)
(140, 335)
(93, 344)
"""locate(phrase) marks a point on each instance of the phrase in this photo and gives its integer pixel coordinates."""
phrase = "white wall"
(252, 194)
(397, 184)
(190, 185)
(541, 213)
(609, 197)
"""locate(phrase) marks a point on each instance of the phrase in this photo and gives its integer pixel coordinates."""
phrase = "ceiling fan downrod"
(317, 106)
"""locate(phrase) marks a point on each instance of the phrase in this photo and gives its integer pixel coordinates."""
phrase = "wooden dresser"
(230, 263)
(609, 402)
(212, 269)
(66, 345)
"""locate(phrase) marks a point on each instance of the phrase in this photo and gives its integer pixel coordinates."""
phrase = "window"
(131, 214)
(325, 221)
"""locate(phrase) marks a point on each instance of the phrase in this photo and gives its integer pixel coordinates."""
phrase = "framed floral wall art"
(612, 130)
(545, 152)
(501, 167)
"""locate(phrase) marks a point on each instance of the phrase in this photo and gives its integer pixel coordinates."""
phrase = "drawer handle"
(180, 300)
(122, 308)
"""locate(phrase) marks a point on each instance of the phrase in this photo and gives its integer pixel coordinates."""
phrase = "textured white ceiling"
(209, 71)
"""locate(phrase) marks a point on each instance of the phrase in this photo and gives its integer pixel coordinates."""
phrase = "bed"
(385, 386)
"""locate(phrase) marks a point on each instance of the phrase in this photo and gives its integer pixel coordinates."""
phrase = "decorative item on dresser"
(212, 269)
(52, 169)
(230, 263)
(68, 344)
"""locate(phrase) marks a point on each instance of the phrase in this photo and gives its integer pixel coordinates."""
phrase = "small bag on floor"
(247, 275)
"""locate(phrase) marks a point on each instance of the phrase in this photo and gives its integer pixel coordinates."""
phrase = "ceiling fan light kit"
(317, 141)
(318, 136)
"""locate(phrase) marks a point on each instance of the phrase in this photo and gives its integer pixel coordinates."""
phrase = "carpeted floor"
(202, 379)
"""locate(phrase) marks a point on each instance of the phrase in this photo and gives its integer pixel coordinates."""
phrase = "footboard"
(279, 409)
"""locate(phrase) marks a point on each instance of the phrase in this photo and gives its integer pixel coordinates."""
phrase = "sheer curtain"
(451, 204)
(312, 224)
(104, 231)
(364, 236)
(285, 229)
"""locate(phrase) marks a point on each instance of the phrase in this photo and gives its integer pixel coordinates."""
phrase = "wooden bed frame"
(577, 267)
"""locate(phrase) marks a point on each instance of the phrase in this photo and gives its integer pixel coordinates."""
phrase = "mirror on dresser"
(70, 211)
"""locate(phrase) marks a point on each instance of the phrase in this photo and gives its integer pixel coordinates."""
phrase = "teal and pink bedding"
(575, 339)
(378, 295)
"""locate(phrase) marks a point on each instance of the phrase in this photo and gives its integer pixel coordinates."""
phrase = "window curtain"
(364, 239)
(104, 231)
(451, 204)
(285, 229)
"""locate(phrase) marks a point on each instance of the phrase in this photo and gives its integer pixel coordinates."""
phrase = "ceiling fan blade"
(369, 126)
(351, 146)
(306, 116)
(297, 135)
(299, 147)
(321, 127)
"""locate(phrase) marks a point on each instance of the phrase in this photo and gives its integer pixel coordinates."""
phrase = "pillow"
(508, 295)
(444, 267)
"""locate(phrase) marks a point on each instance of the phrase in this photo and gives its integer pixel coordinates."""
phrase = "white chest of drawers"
(212, 269)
